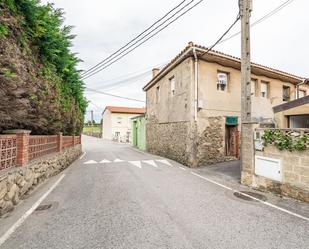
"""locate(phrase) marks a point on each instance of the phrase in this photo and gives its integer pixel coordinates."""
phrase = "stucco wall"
(170, 108)
(117, 122)
(228, 103)
(107, 125)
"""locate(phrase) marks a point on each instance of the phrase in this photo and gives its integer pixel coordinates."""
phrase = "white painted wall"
(120, 123)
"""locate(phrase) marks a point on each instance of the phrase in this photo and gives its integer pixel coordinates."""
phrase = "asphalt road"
(148, 204)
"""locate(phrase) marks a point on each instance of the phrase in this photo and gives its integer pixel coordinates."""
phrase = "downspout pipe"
(305, 81)
(195, 83)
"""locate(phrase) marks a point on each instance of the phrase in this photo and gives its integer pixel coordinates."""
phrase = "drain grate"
(43, 207)
(244, 196)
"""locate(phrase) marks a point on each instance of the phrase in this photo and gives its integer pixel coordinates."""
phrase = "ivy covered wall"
(40, 87)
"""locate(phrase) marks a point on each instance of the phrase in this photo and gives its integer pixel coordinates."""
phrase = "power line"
(92, 68)
(95, 105)
(222, 36)
(95, 71)
(265, 17)
(133, 74)
(164, 27)
(113, 95)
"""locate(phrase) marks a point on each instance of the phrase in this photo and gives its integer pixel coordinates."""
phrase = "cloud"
(104, 26)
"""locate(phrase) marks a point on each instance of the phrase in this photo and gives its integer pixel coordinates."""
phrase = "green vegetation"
(3, 30)
(94, 129)
(40, 28)
(283, 141)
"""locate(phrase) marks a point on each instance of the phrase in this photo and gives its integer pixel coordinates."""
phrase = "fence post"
(73, 140)
(22, 144)
(59, 142)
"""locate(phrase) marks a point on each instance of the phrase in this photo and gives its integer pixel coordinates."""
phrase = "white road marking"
(136, 163)
(91, 162)
(29, 212)
(251, 197)
(117, 160)
(182, 168)
(151, 162)
(105, 161)
(165, 162)
(82, 156)
(209, 180)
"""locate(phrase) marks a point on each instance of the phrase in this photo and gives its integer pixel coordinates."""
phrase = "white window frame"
(219, 86)
(264, 83)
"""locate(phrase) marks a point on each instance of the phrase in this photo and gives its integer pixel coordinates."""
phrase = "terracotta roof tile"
(129, 110)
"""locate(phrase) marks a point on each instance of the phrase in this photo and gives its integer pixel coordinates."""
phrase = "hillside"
(40, 87)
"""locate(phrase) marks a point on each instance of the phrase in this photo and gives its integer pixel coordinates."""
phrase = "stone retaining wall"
(21, 180)
(295, 174)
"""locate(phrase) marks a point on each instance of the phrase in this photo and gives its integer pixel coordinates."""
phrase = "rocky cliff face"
(30, 94)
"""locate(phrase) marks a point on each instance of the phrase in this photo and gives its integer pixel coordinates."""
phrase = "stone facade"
(187, 92)
(21, 180)
(295, 171)
(210, 146)
(170, 140)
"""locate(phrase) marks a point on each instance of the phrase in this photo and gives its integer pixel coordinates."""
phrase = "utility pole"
(247, 150)
(91, 116)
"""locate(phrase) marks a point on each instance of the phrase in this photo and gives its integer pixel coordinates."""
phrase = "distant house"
(194, 104)
(117, 122)
(139, 132)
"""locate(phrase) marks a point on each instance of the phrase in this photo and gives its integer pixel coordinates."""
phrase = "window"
(253, 86)
(286, 93)
(264, 89)
(119, 120)
(157, 94)
(301, 93)
(172, 84)
(222, 81)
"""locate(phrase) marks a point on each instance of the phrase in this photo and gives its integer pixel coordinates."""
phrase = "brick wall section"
(22, 147)
(27, 147)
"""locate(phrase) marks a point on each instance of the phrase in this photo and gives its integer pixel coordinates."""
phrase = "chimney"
(155, 72)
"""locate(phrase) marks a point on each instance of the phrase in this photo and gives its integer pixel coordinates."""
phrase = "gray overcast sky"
(104, 26)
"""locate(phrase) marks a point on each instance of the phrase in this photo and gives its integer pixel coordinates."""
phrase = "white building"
(117, 122)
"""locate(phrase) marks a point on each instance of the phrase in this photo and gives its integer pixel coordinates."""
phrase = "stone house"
(116, 123)
(194, 104)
